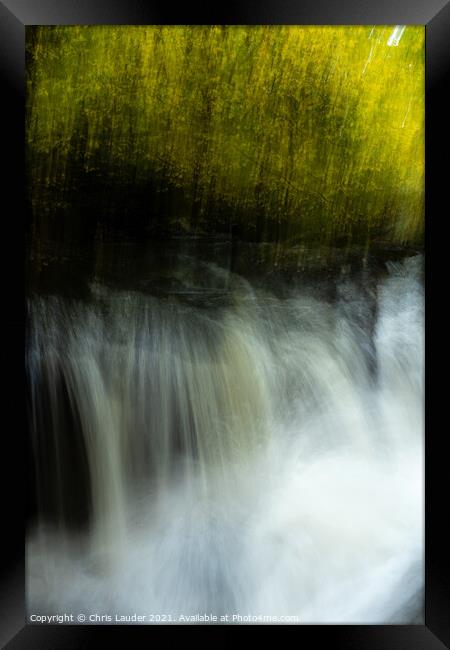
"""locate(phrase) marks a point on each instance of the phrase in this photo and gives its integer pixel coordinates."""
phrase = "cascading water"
(260, 455)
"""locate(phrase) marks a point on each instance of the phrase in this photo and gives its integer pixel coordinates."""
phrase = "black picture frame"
(14, 16)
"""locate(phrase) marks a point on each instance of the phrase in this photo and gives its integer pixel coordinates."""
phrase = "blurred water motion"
(242, 451)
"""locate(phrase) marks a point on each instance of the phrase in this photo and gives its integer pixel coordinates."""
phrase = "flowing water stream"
(248, 452)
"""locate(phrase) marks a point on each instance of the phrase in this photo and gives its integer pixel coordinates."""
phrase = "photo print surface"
(225, 324)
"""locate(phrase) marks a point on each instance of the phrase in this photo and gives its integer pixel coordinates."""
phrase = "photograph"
(224, 342)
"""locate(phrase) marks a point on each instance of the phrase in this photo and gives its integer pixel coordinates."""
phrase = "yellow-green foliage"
(320, 129)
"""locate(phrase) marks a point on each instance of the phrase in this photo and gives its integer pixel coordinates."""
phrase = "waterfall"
(257, 452)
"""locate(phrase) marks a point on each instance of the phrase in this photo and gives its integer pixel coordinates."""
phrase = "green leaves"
(277, 115)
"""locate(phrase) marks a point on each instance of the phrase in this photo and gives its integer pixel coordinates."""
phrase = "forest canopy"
(295, 132)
